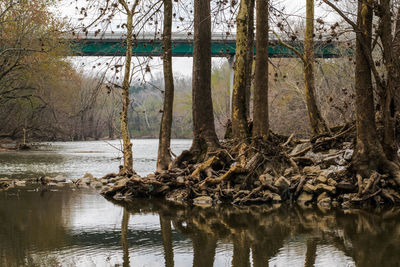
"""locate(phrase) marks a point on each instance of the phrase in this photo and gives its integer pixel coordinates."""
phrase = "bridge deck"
(182, 46)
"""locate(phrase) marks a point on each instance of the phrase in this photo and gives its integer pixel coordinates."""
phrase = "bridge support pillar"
(231, 62)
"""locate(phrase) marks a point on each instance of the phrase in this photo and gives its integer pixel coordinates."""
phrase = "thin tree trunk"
(164, 157)
(205, 138)
(389, 107)
(396, 59)
(260, 106)
(318, 124)
(128, 157)
(250, 55)
(241, 77)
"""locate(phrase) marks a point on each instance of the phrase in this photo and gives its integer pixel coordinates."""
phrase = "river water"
(67, 227)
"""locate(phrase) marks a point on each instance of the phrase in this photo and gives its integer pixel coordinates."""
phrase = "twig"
(108, 143)
(288, 140)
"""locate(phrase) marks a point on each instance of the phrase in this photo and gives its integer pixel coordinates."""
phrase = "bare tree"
(164, 156)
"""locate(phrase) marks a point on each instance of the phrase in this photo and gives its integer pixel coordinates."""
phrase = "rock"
(309, 188)
(111, 190)
(275, 197)
(304, 198)
(312, 170)
(319, 188)
(178, 195)
(202, 200)
(96, 184)
(20, 183)
(346, 205)
(266, 178)
(282, 183)
(5, 183)
(104, 189)
(59, 179)
(84, 181)
(88, 175)
(332, 182)
(321, 179)
(335, 203)
(103, 181)
(348, 154)
(322, 196)
(315, 157)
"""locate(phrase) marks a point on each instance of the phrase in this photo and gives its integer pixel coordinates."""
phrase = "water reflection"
(75, 228)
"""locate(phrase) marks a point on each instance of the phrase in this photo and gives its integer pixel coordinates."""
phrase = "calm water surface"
(74, 159)
(67, 227)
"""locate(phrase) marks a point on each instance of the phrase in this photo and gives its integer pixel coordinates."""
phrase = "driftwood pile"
(284, 169)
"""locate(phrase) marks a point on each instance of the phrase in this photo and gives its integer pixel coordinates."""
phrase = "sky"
(181, 66)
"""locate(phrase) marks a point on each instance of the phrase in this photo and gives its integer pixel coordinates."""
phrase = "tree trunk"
(318, 124)
(250, 55)
(164, 157)
(396, 59)
(204, 139)
(241, 76)
(128, 158)
(260, 102)
(369, 153)
(389, 107)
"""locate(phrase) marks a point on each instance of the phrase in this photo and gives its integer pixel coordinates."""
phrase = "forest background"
(49, 96)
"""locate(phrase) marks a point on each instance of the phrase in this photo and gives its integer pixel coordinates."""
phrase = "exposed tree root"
(272, 171)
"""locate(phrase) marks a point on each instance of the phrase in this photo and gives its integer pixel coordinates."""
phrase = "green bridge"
(182, 46)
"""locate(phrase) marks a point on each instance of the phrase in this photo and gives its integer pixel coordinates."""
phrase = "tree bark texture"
(204, 136)
(260, 100)
(389, 107)
(369, 154)
(242, 74)
(164, 156)
(318, 124)
(128, 157)
(250, 54)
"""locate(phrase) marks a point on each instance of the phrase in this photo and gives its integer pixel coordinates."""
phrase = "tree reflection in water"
(74, 228)
(258, 233)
